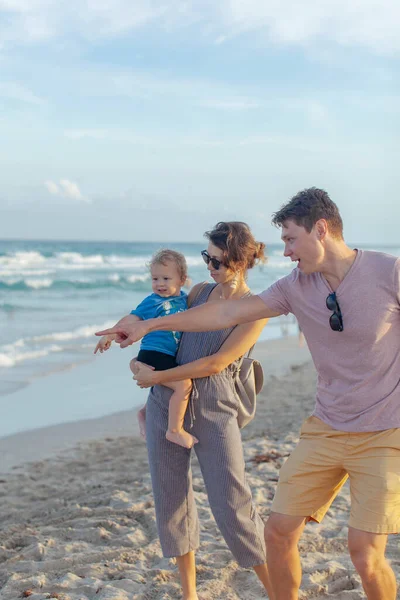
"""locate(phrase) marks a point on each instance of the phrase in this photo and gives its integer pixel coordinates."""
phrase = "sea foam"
(31, 348)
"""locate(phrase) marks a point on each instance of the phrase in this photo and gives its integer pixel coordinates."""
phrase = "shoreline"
(22, 374)
(37, 443)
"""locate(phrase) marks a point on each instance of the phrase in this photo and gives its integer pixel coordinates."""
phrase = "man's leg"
(372, 461)
(367, 551)
(282, 534)
(309, 481)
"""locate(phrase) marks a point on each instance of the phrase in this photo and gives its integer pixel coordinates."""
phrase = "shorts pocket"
(306, 425)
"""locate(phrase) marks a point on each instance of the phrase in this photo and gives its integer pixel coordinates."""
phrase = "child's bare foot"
(141, 417)
(182, 438)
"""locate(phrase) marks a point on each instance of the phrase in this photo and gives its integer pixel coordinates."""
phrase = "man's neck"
(338, 261)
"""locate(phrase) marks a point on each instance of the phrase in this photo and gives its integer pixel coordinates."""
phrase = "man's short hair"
(309, 206)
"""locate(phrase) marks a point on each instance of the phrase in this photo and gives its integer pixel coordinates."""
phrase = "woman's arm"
(237, 344)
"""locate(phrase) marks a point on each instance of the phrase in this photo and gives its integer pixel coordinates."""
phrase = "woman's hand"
(135, 365)
(145, 376)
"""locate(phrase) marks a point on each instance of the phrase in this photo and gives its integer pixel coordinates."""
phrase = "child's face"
(165, 279)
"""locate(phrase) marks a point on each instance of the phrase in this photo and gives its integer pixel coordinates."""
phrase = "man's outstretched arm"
(208, 317)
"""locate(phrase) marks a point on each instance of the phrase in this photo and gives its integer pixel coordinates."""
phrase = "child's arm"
(104, 343)
(237, 344)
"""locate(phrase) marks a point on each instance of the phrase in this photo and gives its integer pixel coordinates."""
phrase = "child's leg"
(141, 414)
(177, 408)
(141, 417)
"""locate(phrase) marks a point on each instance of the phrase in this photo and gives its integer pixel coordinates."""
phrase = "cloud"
(71, 190)
(135, 83)
(66, 189)
(124, 136)
(315, 112)
(41, 20)
(15, 91)
(52, 187)
(117, 135)
(232, 104)
(371, 24)
(155, 86)
(79, 134)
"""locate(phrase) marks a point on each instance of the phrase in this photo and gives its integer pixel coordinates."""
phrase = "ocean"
(55, 294)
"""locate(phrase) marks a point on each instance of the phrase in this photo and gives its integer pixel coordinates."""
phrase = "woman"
(210, 359)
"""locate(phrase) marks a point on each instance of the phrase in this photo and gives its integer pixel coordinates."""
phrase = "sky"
(153, 120)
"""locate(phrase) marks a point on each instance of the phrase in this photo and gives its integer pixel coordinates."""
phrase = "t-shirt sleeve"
(145, 309)
(276, 297)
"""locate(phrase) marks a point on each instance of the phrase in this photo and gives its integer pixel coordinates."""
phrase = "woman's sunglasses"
(336, 319)
(209, 259)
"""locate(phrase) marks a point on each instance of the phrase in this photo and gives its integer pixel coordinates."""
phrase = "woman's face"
(223, 274)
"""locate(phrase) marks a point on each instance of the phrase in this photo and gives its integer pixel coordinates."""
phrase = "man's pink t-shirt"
(358, 368)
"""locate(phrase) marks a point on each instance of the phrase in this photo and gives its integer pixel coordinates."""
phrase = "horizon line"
(114, 241)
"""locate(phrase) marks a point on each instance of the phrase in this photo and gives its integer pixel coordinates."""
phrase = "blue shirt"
(158, 306)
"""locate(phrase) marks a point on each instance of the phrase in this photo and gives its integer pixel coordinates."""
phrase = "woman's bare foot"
(182, 438)
(141, 417)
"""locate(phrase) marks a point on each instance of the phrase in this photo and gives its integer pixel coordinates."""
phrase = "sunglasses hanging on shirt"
(336, 319)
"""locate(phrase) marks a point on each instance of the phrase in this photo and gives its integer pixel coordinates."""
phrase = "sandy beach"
(77, 521)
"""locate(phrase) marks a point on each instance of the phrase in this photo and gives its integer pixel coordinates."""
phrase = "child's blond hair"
(165, 255)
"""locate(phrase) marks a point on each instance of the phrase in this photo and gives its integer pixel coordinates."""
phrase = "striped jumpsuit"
(220, 455)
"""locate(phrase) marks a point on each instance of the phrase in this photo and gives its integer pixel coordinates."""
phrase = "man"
(347, 303)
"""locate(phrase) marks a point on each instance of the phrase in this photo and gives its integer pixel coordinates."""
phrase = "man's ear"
(321, 228)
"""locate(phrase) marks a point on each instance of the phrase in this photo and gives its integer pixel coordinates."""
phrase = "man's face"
(302, 247)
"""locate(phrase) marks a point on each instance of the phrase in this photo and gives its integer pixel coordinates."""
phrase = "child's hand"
(103, 344)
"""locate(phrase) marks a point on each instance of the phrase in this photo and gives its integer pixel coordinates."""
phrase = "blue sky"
(152, 120)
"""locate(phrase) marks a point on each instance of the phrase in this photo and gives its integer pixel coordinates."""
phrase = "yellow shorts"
(324, 459)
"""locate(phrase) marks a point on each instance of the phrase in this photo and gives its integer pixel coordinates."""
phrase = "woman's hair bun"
(259, 253)
(241, 251)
